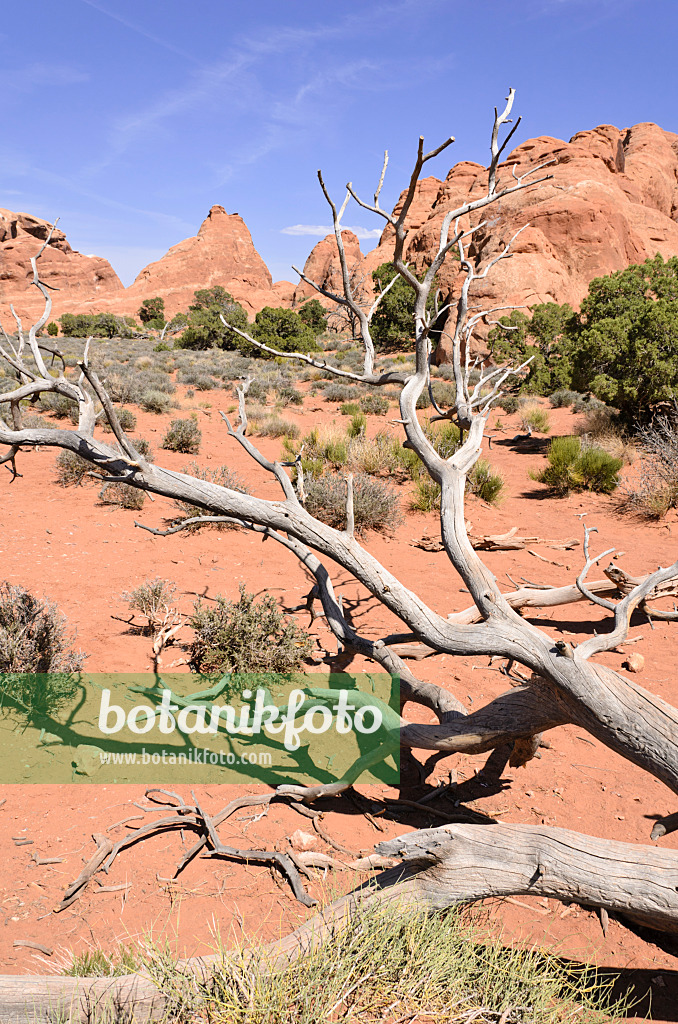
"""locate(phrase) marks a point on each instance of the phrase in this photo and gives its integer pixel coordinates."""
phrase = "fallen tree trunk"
(441, 868)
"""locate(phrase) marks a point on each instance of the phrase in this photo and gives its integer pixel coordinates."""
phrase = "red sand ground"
(62, 543)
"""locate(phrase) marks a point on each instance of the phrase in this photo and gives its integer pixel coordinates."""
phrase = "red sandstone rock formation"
(323, 267)
(612, 201)
(76, 277)
(221, 253)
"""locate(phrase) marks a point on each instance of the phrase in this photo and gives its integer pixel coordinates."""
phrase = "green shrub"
(339, 392)
(126, 418)
(123, 495)
(510, 403)
(204, 326)
(71, 468)
(426, 495)
(183, 436)
(374, 405)
(481, 481)
(34, 641)
(284, 330)
(375, 504)
(572, 469)
(196, 379)
(357, 425)
(59, 406)
(155, 401)
(152, 313)
(143, 447)
(563, 397)
(350, 409)
(484, 482)
(534, 418)
(288, 393)
(246, 636)
(52, 329)
(314, 315)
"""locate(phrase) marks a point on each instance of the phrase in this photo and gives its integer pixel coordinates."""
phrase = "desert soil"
(64, 544)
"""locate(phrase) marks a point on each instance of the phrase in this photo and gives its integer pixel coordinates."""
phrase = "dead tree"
(566, 684)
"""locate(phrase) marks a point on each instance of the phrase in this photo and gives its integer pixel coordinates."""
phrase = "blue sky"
(130, 118)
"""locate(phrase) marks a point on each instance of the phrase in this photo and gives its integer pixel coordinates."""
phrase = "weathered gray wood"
(474, 861)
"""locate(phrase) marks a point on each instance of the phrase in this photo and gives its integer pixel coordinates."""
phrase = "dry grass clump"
(275, 426)
(533, 417)
(396, 964)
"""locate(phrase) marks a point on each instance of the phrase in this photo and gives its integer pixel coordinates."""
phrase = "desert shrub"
(653, 490)
(510, 403)
(375, 504)
(221, 475)
(52, 329)
(246, 636)
(59, 406)
(35, 420)
(484, 482)
(481, 481)
(426, 495)
(287, 393)
(71, 468)
(374, 405)
(339, 392)
(444, 437)
(258, 390)
(152, 599)
(392, 325)
(205, 328)
(123, 495)
(320, 446)
(534, 418)
(573, 468)
(143, 446)
(152, 313)
(598, 419)
(314, 315)
(357, 425)
(196, 379)
(349, 409)
(155, 401)
(374, 455)
(126, 418)
(282, 329)
(34, 641)
(274, 426)
(183, 436)
(563, 398)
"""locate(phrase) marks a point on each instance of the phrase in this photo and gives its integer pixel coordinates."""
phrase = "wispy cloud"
(36, 75)
(140, 30)
(320, 230)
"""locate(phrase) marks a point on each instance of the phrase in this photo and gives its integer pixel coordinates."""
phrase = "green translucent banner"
(183, 728)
